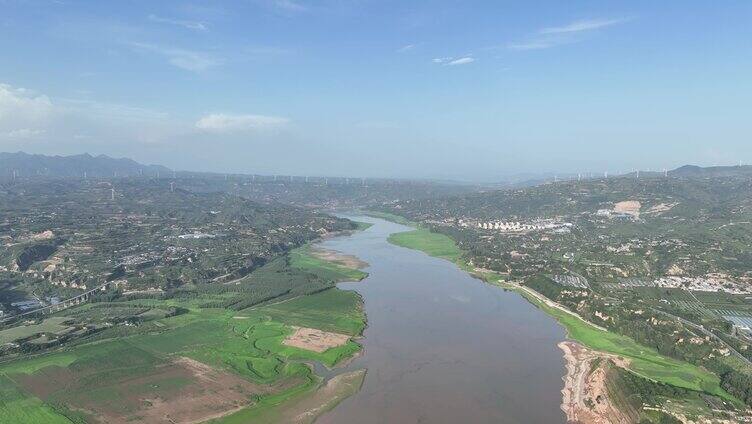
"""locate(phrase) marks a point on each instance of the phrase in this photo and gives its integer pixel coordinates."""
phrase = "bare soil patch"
(339, 258)
(315, 340)
(217, 393)
(631, 207)
(585, 396)
(181, 391)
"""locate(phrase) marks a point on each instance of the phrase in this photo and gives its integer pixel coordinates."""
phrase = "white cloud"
(188, 60)
(225, 123)
(75, 125)
(27, 116)
(406, 48)
(452, 61)
(461, 61)
(193, 25)
(583, 25)
(533, 45)
(23, 112)
(573, 32)
(22, 104)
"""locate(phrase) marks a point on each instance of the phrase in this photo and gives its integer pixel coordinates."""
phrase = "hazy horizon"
(437, 90)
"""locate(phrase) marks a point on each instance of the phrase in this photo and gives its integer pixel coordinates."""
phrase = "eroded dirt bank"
(585, 395)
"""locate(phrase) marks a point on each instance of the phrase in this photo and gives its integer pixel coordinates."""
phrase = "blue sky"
(471, 90)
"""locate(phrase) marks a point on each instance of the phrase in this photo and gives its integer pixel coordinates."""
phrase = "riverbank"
(433, 354)
(585, 396)
(302, 407)
(643, 361)
(329, 264)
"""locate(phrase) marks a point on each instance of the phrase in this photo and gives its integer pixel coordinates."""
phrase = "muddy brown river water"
(443, 347)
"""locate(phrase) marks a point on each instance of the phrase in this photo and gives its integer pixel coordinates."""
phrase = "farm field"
(205, 363)
(701, 305)
(332, 310)
(49, 325)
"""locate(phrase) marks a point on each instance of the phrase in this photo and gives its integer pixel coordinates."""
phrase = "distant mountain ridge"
(24, 164)
(711, 171)
(685, 171)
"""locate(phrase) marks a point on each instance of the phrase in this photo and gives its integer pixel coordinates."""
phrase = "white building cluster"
(521, 227)
(706, 284)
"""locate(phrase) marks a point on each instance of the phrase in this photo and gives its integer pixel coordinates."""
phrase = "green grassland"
(644, 361)
(337, 311)
(434, 244)
(439, 246)
(18, 407)
(246, 342)
(302, 259)
(362, 226)
(50, 325)
(630, 393)
(390, 217)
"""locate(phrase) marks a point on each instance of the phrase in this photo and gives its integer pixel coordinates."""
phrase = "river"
(444, 347)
